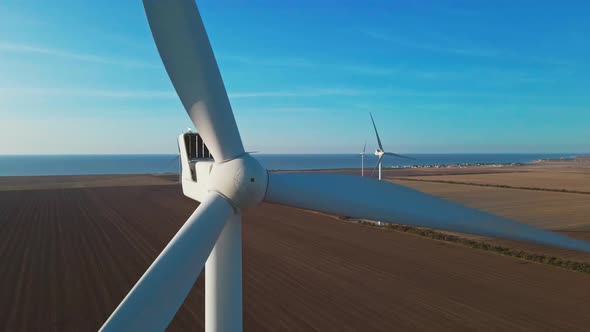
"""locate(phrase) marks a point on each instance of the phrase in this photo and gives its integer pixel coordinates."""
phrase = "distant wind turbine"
(363, 159)
(380, 152)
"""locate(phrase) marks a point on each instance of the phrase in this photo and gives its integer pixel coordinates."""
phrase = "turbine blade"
(365, 147)
(156, 297)
(376, 133)
(367, 198)
(184, 47)
(376, 165)
(397, 155)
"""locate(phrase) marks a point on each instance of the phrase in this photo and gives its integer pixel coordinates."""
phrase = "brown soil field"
(11, 183)
(572, 175)
(70, 255)
(544, 179)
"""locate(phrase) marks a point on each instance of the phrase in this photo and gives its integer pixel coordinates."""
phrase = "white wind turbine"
(363, 159)
(379, 152)
(235, 181)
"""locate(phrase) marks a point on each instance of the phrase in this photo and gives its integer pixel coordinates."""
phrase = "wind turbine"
(380, 152)
(363, 159)
(235, 181)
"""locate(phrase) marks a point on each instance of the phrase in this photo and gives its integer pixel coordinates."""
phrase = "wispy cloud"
(268, 62)
(71, 55)
(302, 63)
(294, 109)
(499, 76)
(382, 92)
(98, 93)
(464, 51)
(157, 94)
(432, 47)
(310, 64)
(370, 70)
(316, 92)
(12, 93)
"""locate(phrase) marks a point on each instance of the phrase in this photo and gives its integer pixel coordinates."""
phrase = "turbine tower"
(234, 181)
(363, 159)
(379, 152)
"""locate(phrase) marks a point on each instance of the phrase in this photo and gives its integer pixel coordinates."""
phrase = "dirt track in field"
(68, 256)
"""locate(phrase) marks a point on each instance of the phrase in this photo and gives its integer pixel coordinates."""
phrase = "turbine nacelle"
(379, 153)
(242, 180)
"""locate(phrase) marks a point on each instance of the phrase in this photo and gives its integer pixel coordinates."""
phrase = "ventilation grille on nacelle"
(195, 147)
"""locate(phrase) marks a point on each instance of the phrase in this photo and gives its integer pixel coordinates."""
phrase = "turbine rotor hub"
(242, 181)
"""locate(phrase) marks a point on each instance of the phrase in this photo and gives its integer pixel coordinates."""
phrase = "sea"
(28, 165)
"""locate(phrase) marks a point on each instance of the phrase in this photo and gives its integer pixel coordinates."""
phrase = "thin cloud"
(432, 47)
(294, 109)
(306, 63)
(99, 93)
(318, 92)
(492, 76)
(356, 69)
(381, 92)
(269, 62)
(158, 94)
(370, 70)
(85, 57)
(9, 93)
(469, 52)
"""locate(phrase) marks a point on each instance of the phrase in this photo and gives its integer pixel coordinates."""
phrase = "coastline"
(45, 165)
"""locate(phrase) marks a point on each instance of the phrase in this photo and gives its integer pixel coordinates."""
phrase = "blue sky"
(439, 76)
